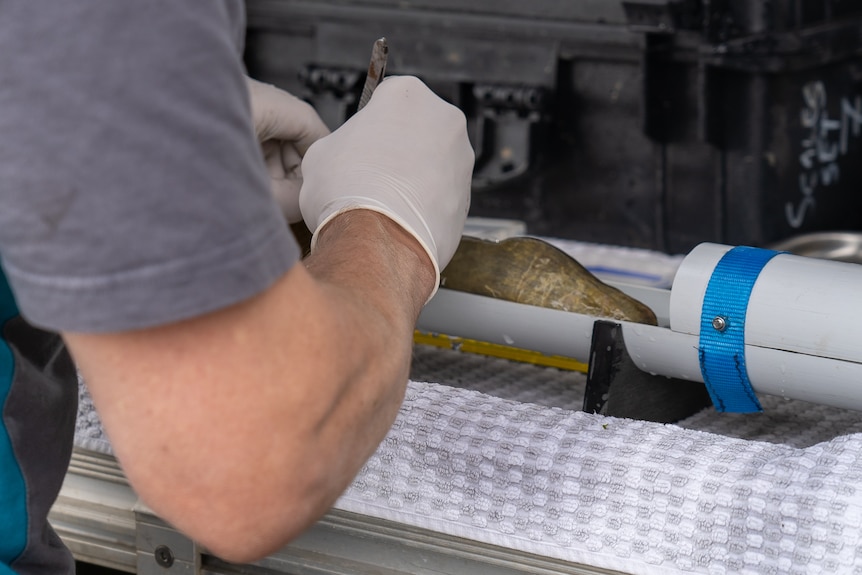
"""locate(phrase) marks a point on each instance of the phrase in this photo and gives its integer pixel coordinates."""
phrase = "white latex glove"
(405, 155)
(285, 126)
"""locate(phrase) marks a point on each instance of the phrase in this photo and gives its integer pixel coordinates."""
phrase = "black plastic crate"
(652, 123)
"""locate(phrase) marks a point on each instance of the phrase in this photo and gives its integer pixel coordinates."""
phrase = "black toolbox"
(651, 123)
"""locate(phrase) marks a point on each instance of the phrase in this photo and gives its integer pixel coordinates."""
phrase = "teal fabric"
(13, 494)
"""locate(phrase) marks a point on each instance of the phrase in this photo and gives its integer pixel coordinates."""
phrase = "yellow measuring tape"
(497, 350)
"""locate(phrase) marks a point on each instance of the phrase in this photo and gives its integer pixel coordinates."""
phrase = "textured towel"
(776, 492)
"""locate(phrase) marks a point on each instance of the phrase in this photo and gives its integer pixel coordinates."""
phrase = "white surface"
(622, 264)
(493, 228)
(518, 466)
(619, 494)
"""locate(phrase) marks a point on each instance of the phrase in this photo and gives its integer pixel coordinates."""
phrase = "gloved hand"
(405, 155)
(285, 126)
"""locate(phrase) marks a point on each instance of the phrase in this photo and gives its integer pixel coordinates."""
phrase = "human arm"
(243, 425)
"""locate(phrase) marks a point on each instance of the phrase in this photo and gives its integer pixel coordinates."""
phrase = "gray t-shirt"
(132, 193)
(133, 190)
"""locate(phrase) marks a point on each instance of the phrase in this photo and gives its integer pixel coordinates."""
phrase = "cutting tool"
(376, 70)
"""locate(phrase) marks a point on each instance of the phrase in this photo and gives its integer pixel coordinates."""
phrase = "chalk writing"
(825, 142)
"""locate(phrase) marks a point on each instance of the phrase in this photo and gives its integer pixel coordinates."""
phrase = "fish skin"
(531, 271)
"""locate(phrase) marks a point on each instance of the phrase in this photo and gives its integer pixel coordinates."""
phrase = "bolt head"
(719, 323)
(164, 556)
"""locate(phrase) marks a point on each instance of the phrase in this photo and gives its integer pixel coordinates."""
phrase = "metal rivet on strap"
(719, 323)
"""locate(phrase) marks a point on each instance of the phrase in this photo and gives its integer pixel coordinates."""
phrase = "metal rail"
(100, 519)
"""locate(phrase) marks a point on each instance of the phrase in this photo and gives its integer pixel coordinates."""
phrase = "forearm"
(243, 426)
(365, 256)
(379, 277)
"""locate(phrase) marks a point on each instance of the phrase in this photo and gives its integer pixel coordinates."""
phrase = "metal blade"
(376, 70)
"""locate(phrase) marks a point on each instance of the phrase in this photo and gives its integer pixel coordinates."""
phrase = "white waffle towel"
(771, 493)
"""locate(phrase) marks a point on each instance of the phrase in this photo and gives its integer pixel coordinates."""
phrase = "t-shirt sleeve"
(133, 189)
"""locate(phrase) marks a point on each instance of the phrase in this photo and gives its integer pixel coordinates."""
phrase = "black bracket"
(334, 92)
(509, 122)
(617, 387)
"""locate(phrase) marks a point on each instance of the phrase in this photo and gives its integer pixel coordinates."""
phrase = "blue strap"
(722, 329)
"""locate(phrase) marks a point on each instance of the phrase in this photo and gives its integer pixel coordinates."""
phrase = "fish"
(531, 271)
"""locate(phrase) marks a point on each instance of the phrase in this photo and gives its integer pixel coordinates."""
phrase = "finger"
(283, 166)
(291, 160)
(280, 115)
(272, 156)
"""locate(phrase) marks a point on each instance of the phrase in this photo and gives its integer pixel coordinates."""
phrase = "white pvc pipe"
(798, 304)
(689, 287)
(548, 331)
(806, 377)
(660, 351)
(655, 350)
(786, 374)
